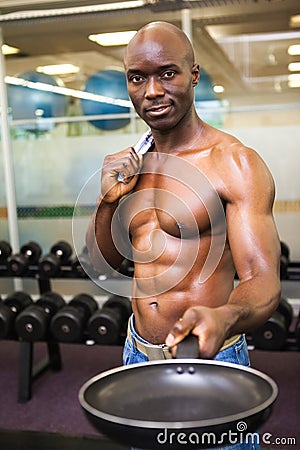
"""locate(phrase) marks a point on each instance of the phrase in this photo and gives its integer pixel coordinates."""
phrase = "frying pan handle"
(188, 348)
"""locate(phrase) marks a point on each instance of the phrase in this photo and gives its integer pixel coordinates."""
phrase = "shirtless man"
(161, 212)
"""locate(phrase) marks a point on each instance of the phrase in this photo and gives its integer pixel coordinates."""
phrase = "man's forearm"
(250, 304)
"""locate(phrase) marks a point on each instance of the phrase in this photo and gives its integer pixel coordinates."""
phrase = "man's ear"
(196, 74)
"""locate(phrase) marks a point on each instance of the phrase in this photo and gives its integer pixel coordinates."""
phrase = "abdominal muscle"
(167, 285)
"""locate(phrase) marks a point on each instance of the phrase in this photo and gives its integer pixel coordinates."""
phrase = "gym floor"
(34, 440)
(53, 418)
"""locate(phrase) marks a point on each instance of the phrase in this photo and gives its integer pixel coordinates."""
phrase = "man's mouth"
(158, 110)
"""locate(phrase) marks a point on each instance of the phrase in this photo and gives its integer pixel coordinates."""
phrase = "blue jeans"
(237, 354)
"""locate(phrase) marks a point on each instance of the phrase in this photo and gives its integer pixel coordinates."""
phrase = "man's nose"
(154, 88)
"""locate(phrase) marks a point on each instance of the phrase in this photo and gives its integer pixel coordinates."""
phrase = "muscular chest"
(180, 207)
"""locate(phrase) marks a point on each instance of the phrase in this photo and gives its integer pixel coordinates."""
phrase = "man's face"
(160, 80)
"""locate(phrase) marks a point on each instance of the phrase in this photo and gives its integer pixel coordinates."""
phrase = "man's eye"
(136, 79)
(169, 74)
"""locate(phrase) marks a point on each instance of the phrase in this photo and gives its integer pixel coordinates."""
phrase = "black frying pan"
(178, 403)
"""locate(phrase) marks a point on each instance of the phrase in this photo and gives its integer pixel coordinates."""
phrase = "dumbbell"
(19, 263)
(106, 325)
(273, 334)
(5, 251)
(32, 324)
(60, 253)
(68, 324)
(284, 260)
(126, 268)
(82, 266)
(9, 310)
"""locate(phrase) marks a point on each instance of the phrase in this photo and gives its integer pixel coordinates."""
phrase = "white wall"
(279, 146)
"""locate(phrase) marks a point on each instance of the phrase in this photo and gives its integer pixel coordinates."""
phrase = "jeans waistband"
(161, 351)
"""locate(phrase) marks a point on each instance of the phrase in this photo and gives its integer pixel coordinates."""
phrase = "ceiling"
(242, 44)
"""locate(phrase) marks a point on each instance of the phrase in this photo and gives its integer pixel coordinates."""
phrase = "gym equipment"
(19, 263)
(111, 84)
(82, 266)
(108, 324)
(141, 405)
(127, 268)
(60, 253)
(274, 333)
(32, 324)
(5, 251)
(68, 324)
(11, 306)
(27, 103)
(284, 260)
(204, 90)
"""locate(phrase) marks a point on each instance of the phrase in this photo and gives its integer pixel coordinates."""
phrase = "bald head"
(160, 70)
(164, 32)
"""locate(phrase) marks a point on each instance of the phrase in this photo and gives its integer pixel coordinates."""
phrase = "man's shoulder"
(239, 169)
(228, 148)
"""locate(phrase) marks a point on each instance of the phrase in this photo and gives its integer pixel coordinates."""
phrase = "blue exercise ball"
(28, 103)
(204, 89)
(112, 84)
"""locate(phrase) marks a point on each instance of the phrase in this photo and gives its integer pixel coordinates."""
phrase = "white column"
(9, 178)
(187, 23)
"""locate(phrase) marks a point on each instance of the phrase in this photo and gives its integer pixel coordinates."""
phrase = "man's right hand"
(126, 162)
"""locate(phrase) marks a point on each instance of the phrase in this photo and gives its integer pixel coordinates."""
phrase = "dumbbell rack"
(27, 372)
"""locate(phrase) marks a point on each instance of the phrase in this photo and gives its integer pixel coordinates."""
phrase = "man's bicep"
(252, 233)
(253, 240)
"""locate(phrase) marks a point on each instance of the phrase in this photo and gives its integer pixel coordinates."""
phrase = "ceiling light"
(218, 89)
(294, 84)
(58, 69)
(294, 80)
(260, 37)
(294, 67)
(294, 49)
(9, 50)
(294, 77)
(295, 21)
(108, 39)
